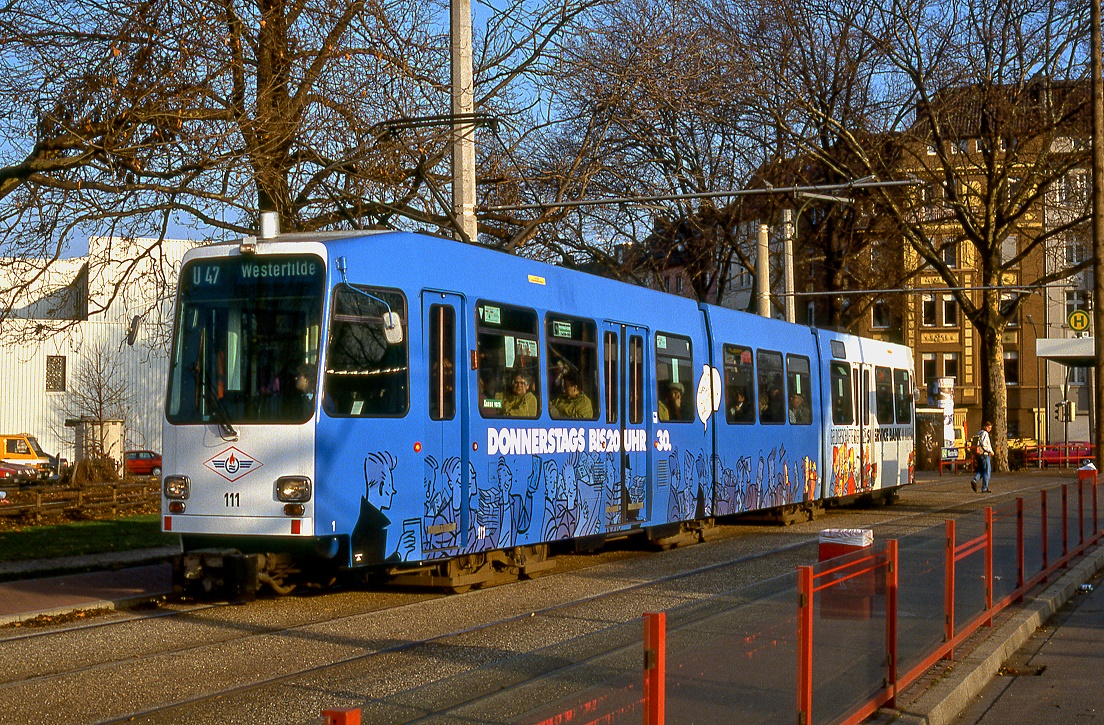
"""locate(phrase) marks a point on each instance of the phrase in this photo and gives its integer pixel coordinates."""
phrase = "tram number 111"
(233, 500)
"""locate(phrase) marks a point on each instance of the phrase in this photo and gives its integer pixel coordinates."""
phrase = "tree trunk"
(994, 406)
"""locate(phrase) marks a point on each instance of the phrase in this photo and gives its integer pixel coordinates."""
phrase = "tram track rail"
(136, 615)
(168, 711)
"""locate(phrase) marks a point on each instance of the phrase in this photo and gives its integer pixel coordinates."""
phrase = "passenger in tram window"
(299, 396)
(800, 412)
(573, 403)
(772, 404)
(670, 408)
(519, 402)
(556, 375)
(739, 409)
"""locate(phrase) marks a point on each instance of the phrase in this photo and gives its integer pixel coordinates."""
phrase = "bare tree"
(98, 393)
(982, 102)
(641, 109)
(149, 113)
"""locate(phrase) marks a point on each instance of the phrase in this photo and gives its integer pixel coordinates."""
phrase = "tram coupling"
(229, 574)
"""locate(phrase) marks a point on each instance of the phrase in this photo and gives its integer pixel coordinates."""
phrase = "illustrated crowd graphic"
(532, 499)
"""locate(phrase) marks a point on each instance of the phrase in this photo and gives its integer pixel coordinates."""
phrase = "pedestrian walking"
(983, 457)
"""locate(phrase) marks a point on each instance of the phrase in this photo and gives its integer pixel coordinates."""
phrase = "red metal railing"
(846, 594)
(877, 564)
(956, 552)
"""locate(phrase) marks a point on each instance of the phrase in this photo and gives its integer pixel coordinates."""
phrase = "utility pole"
(463, 131)
(1097, 224)
(788, 264)
(762, 274)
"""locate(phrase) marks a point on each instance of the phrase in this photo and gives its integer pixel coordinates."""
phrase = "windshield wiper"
(226, 428)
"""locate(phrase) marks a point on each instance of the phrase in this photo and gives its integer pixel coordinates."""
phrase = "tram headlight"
(176, 487)
(293, 488)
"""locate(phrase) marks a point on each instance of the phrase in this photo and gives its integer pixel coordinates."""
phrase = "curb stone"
(40, 568)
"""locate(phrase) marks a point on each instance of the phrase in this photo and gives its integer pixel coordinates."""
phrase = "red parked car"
(17, 473)
(1060, 454)
(143, 463)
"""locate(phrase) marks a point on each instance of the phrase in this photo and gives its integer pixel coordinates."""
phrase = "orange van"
(24, 449)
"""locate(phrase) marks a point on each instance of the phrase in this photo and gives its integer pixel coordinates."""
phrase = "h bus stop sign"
(1078, 320)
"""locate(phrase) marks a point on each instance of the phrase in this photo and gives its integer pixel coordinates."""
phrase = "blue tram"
(443, 411)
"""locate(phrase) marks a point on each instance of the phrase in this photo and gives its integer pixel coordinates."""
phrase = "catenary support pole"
(463, 133)
(1097, 222)
(788, 263)
(762, 273)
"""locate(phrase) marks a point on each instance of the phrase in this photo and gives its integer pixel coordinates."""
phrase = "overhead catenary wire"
(860, 184)
(1031, 288)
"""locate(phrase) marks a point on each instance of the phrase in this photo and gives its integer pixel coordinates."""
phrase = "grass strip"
(84, 537)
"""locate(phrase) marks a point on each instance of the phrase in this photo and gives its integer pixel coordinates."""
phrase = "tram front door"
(446, 449)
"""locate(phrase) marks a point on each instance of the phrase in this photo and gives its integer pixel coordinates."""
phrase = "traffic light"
(1059, 410)
(1065, 410)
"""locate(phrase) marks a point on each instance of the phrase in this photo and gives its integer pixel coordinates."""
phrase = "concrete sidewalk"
(1056, 675)
(117, 580)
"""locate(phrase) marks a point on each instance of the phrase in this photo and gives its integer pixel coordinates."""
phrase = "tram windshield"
(245, 344)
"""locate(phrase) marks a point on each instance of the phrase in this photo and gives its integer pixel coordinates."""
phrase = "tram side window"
(636, 379)
(674, 378)
(613, 382)
(739, 384)
(572, 367)
(365, 375)
(442, 365)
(902, 394)
(506, 345)
(843, 413)
(797, 386)
(772, 405)
(883, 395)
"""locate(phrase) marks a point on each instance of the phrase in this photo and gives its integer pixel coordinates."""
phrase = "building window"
(1007, 300)
(810, 312)
(927, 369)
(932, 200)
(55, 373)
(678, 284)
(928, 310)
(950, 311)
(667, 283)
(960, 146)
(879, 314)
(1074, 188)
(950, 365)
(1078, 376)
(1075, 300)
(1011, 367)
(950, 254)
(1074, 251)
(1009, 248)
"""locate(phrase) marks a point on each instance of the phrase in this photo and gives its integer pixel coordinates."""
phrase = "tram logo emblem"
(232, 464)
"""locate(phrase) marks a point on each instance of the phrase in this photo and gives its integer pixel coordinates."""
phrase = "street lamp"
(1040, 411)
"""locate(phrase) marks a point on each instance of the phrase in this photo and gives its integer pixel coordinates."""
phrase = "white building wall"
(25, 406)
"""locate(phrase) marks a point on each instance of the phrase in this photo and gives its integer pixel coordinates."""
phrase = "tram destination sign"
(220, 276)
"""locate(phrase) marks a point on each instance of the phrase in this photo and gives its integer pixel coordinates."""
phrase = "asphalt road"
(403, 656)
